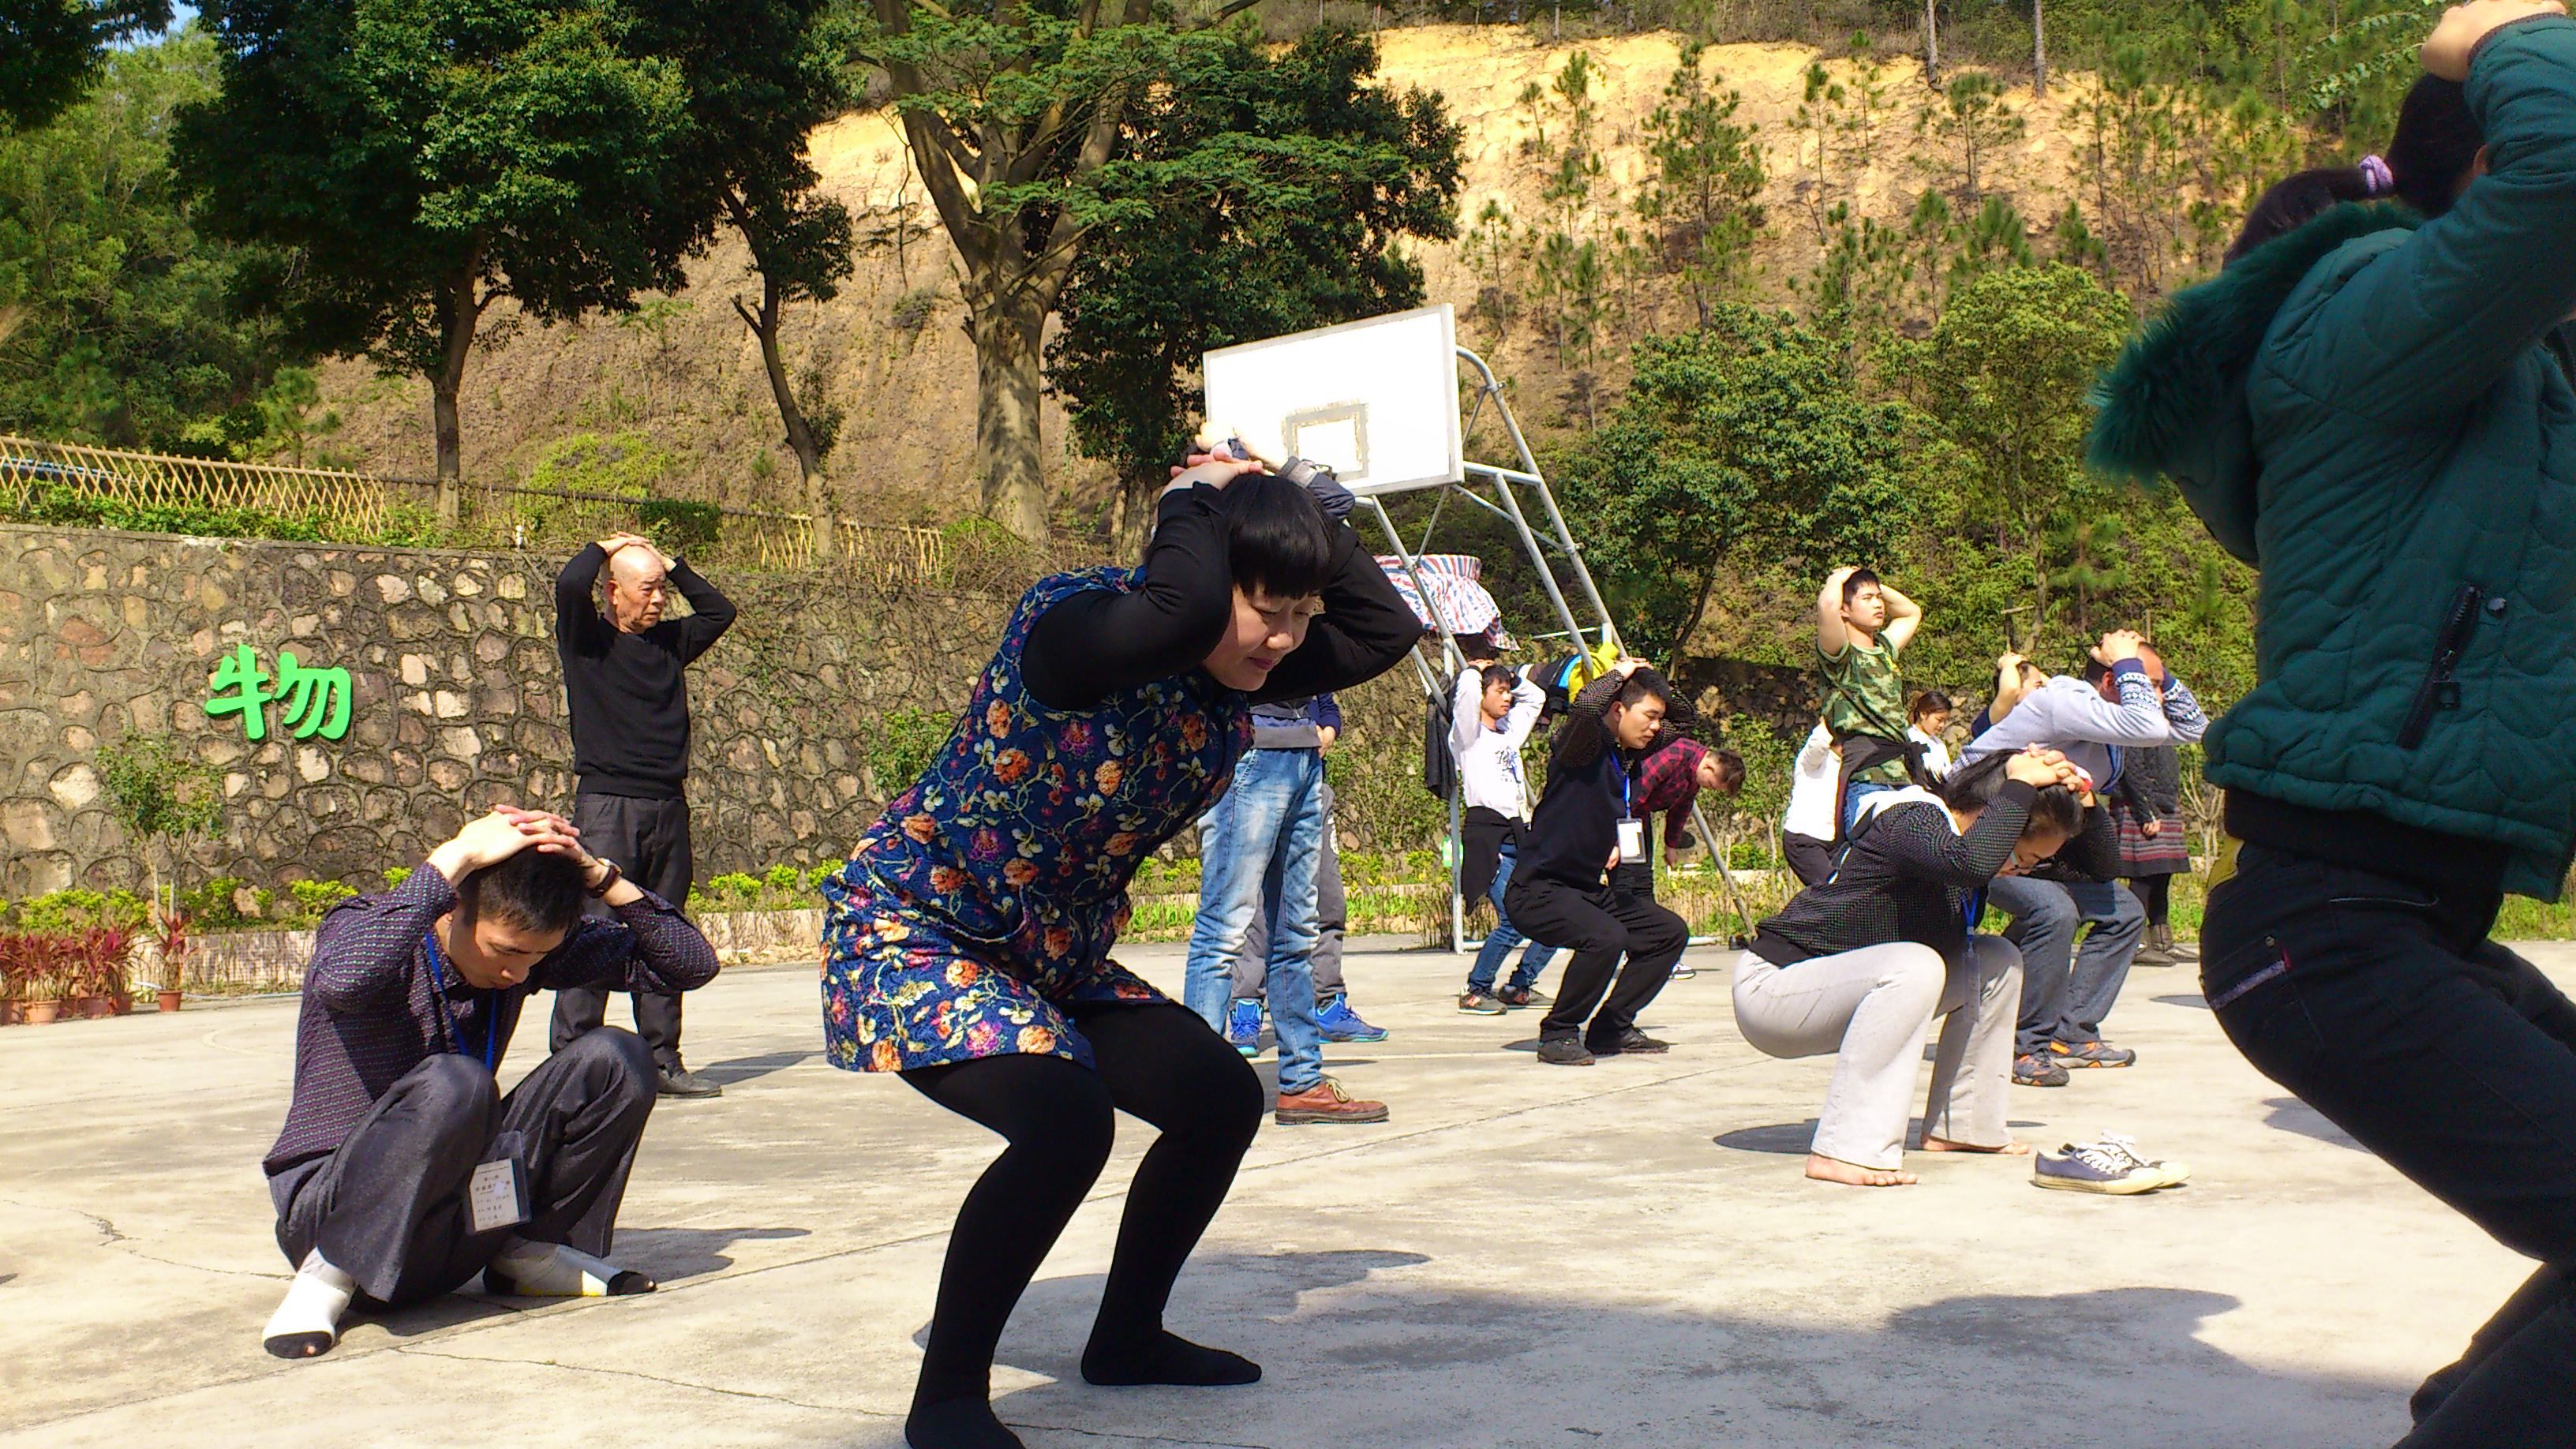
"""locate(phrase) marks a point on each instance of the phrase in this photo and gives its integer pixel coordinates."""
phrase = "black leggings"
(2155, 893)
(1158, 1062)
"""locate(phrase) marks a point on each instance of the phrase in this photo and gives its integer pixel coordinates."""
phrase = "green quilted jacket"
(2377, 415)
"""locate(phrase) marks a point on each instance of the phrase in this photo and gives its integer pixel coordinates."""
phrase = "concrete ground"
(1525, 1255)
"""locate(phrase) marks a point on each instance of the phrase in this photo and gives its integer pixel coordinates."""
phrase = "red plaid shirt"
(1667, 783)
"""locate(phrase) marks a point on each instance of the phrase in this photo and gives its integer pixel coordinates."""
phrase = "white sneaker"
(2094, 1167)
(2175, 1174)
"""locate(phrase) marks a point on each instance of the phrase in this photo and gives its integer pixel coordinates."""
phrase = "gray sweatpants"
(1869, 1007)
(1332, 914)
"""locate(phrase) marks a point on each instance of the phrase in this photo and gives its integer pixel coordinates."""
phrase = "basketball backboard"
(1376, 400)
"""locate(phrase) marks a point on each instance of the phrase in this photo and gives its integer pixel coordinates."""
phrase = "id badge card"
(1632, 841)
(496, 1198)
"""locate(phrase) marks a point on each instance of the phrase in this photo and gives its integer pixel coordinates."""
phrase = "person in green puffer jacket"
(2374, 409)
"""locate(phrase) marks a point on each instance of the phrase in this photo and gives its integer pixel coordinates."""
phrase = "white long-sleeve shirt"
(1811, 788)
(1489, 756)
(1936, 755)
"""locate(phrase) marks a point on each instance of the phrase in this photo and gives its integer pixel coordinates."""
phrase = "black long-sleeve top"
(1097, 642)
(1907, 876)
(1591, 783)
(375, 1007)
(628, 694)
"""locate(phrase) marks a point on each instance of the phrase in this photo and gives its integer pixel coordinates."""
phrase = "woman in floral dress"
(966, 942)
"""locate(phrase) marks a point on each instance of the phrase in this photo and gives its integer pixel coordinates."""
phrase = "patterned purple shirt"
(374, 1009)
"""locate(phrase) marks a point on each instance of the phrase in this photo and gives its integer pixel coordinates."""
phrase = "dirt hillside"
(681, 393)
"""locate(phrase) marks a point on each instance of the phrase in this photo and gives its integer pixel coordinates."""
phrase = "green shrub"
(396, 874)
(313, 897)
(903, 743)
(212, 905)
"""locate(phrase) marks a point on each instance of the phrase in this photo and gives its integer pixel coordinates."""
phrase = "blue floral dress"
(988, 895)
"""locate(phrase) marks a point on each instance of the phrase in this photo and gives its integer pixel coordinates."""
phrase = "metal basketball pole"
(1504, 479)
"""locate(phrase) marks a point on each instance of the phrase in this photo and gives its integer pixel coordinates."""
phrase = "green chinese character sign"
(316, 701)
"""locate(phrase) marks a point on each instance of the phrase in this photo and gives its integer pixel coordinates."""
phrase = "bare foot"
(1944, 1144)
(1834, 1169)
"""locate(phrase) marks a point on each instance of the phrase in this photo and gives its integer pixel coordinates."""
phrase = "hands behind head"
(491, 839)
(1214, 469)
(2010, 662)
(2041, 768)
(2455, 39)
(2119, 644)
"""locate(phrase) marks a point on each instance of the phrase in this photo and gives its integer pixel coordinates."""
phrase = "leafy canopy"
(1746, 441)
(1252, 195)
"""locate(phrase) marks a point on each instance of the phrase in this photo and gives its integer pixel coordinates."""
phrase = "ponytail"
(2432, 155)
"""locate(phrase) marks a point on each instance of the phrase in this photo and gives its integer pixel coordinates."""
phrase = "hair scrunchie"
(2376, 176)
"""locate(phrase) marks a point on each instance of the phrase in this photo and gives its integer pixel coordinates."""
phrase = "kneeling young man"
(1564, 891)
(403, 1171)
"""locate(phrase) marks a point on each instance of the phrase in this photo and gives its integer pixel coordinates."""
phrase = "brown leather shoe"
(1326, 1102)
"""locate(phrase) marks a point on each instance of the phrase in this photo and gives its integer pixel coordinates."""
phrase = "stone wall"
(457, 700)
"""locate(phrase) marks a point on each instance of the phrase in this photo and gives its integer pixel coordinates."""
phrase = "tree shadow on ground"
(1400, 1361)
(2194, 1001)
(2289, 1114)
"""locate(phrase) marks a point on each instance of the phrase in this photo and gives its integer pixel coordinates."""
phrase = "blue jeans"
(1500, 940)
(2065, 992)
(1852, 796)
(1274, 812)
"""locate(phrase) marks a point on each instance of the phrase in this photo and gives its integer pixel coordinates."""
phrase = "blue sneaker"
(1340, 1023)
(1243, 1026)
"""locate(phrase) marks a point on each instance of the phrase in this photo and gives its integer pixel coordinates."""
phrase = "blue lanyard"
(447, 1024)
(1627, 793)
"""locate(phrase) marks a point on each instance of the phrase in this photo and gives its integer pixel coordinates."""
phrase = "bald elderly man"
(626, 682)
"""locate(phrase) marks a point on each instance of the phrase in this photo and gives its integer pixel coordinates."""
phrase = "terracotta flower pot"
(169, 1000)
(120, 1003)
(40, 1012)
(8, 1011)
(92, 1008)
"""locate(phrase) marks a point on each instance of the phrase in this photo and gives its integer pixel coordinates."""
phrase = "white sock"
(308, 1322)
(551, 1270)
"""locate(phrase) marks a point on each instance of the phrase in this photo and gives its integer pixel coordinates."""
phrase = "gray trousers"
(1869, 1008)
(2066, 991)
(388, 1206)
(1332, 917)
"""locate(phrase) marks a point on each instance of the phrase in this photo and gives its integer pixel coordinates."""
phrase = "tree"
(1972, 114)
(2005, 374)
(2039, 49)
(160, 800)
(422, 160)
(122, 333)
(1012, 116)
(52, 51)
(1931, 44)
(1310, 239)
(761, 75)
(1746, 440)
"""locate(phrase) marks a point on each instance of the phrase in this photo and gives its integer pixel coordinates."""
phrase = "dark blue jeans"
(2381, 1003)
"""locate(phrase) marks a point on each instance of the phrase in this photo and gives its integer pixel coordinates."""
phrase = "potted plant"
(97, 972)
(41, 987)
(169, 935)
